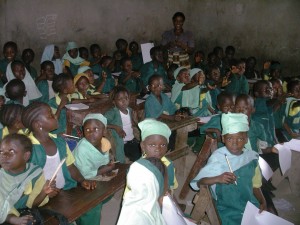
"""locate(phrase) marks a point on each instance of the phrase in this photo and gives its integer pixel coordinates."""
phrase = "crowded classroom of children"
(246, 102)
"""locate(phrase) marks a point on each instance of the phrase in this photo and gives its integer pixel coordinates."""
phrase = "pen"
(229, 167)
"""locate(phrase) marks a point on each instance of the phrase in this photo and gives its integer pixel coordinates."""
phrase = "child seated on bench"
(233, 172)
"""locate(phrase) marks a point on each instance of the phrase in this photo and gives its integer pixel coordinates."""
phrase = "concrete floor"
(287, 204)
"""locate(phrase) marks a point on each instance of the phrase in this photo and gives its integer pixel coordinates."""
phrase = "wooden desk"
(182, 128)
(75, 202)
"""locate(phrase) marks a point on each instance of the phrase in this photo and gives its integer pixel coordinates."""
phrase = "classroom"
(196, 103)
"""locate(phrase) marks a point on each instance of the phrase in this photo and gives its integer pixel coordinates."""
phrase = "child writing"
(292, 111)
(22, 183)
(92, 158)
(158, 105)
(233, 189)
(15, 91)
(121, 123)
(17, 70)
(45, 85)
(63, 86)
(11, 120)
(49, 150)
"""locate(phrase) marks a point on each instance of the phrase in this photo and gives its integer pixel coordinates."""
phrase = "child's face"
(12, 156)
(56, 54)
(215, 75)
(277, 89)
(127, 66)
(73, 53)
(10, 54)
(49, 72)
(122, 47)
(178, 23)
(106, 63)
(158, 56)
(183, 77)
(296, 91)
(93, 132)
(235, 142)
(266, 91)
(155, 146)
(46, 120)
(157, 86)
(241, 67)
(69, 88)
(90, 74)
(28, 58)
(226, 106)
(85, 55)
(96, 53)
(134, 48)
(19, 71)
(122, 101)
(83, 84)
(244, 106)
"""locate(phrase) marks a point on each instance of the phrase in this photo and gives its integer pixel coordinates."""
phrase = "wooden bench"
(77, 201)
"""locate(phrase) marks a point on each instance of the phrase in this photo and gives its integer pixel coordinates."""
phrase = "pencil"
(229, 167)
(56, 171)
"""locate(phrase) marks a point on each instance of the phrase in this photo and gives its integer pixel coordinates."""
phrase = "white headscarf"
(48, 55)
(140, 205)
(32, 91)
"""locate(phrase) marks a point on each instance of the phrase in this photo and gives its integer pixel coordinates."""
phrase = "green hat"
(95, 116)
(194, 71)
(176, 72)
(153, 127)
(71, 45)
(233, 123)
(83, 69)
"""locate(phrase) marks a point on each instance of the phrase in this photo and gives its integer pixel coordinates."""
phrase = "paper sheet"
(139, 101)
(205, 119)
(106, 178)
(116, 74)
(145, 48)
(293, 144)
(78, 106)
(252, 217)
(266, 170)
(285, 157)
(172, 214)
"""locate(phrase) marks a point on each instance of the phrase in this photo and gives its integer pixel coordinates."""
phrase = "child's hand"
(267, 65)
(135, 74)
(64, 101)
(88, 184)
(120, 132)
(262, 206)
(198, 58)
(226, 178)
(23, 220)
(225, 80)
(50, 190)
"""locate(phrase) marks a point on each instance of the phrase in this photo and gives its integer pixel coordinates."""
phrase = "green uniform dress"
(44, 89)
(133, 85)
(147, 70)
(137, 61)
(238, 85)
(153, 108)
(214, 94)
(231, 199)
(110, 82)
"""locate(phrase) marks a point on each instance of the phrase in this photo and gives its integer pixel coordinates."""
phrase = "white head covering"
(48, 55)
(32, 91)
(233, 123)
(140, 205)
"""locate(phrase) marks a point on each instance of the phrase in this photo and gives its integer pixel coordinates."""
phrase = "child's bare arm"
(15, 220)
(290, 132)
(77, 176)
(224, 178)
(106, 168)
(63, 102)
(170, 117)
(118, 129)
(259, 196)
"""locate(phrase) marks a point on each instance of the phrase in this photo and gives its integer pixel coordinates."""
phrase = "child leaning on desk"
(92, 158)
(233, 172)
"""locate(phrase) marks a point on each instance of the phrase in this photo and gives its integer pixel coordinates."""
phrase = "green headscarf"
(176, 72)
(71, 45)
(83, 69)
(194, 71)
(233, 123)
(95, 116)
(153, 127)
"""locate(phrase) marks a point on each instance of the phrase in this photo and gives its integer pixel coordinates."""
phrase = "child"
(95, 51)
(49, 150)
(129, 78)
(233, 189)
(51, 53)
(84, 53)
(238, 82)
(105, 80)
(92, 158)
(153, 67)
(145, 179)
(10, 50)
(158, 105)
(154, 143)
(120, 122)
(45, 85)
(136, 57)
(27, 58)
(82, 84)
(228, 59)
(250, 71)
(16, 69)
(22, 183)
(292, 111)
(199, 60)
(263, 114)
(11, 120)
(213, 127)
(15, 91)
(72, 60)
(63, 86)
(120, 53)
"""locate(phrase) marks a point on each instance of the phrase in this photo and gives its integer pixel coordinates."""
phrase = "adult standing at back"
(178, 43)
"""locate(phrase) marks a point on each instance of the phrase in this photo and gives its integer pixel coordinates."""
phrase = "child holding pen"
(233, 172)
